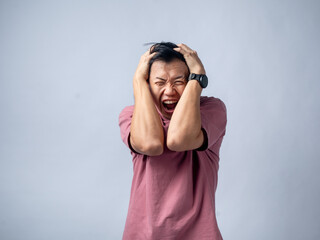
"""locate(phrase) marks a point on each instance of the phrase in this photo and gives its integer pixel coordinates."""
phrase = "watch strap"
(201, 78)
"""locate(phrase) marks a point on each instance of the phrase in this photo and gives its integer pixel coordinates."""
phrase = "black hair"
(165, 53)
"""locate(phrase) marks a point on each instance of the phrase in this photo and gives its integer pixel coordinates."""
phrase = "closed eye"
(159, 83)
(179, 82)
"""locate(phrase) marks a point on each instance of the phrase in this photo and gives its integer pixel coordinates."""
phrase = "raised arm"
(146, 133)
(184, 131)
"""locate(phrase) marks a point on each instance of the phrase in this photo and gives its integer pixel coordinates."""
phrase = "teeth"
(170, 102)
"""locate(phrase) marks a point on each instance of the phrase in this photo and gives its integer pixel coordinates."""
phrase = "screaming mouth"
(169, 105)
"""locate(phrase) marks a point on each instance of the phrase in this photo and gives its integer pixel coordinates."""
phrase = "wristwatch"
(201, 78)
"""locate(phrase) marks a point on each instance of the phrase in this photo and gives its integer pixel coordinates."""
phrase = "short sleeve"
(125, 118)
(213, 119)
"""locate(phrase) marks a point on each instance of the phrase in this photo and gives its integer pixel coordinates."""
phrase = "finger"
(148, 51)
(146, 58)
(152, 54)
(185, 47)
(147, 54)
(185, 50)
(181, 50)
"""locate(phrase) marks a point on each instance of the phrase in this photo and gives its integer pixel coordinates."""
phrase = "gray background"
(66, 71)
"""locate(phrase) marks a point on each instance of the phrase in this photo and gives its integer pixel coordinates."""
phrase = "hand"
(142, 71)
(194, 63)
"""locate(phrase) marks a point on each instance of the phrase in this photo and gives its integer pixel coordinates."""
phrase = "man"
(174, 136)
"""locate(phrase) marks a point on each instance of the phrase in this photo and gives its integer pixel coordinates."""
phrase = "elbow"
(149, 147)
(175, 144)
(184, 142)
(154, 148)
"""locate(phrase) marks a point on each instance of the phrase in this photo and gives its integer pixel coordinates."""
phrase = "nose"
(169, 90)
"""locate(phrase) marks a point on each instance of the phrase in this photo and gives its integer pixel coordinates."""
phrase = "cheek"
(155, 92)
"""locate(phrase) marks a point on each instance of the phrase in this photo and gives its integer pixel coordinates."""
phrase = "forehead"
(169, 69)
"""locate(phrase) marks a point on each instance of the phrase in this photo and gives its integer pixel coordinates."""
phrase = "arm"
(146, 133)
(184, 131)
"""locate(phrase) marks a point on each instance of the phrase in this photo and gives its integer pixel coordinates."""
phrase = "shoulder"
(213, 118)
(126, 115)
(127, 111)
(213, 112)
(210, 103)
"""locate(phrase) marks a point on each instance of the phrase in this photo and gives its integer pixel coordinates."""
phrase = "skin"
(146, 132)
(167, 82)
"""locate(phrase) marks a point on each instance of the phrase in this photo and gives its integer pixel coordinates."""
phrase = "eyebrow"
(181, 76)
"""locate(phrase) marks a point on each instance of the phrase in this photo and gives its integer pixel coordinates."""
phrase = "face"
(167, 83)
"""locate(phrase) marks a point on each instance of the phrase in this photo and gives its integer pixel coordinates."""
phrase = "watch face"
(203, 81)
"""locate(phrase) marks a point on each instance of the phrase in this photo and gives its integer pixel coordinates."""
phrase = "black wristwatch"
(201, 78)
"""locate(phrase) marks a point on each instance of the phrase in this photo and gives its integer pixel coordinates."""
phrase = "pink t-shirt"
(173, 195)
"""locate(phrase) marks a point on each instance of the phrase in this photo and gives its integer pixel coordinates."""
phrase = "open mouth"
(169, 106)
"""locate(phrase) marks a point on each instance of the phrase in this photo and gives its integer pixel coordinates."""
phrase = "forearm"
(184, 132)
(146, 129)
